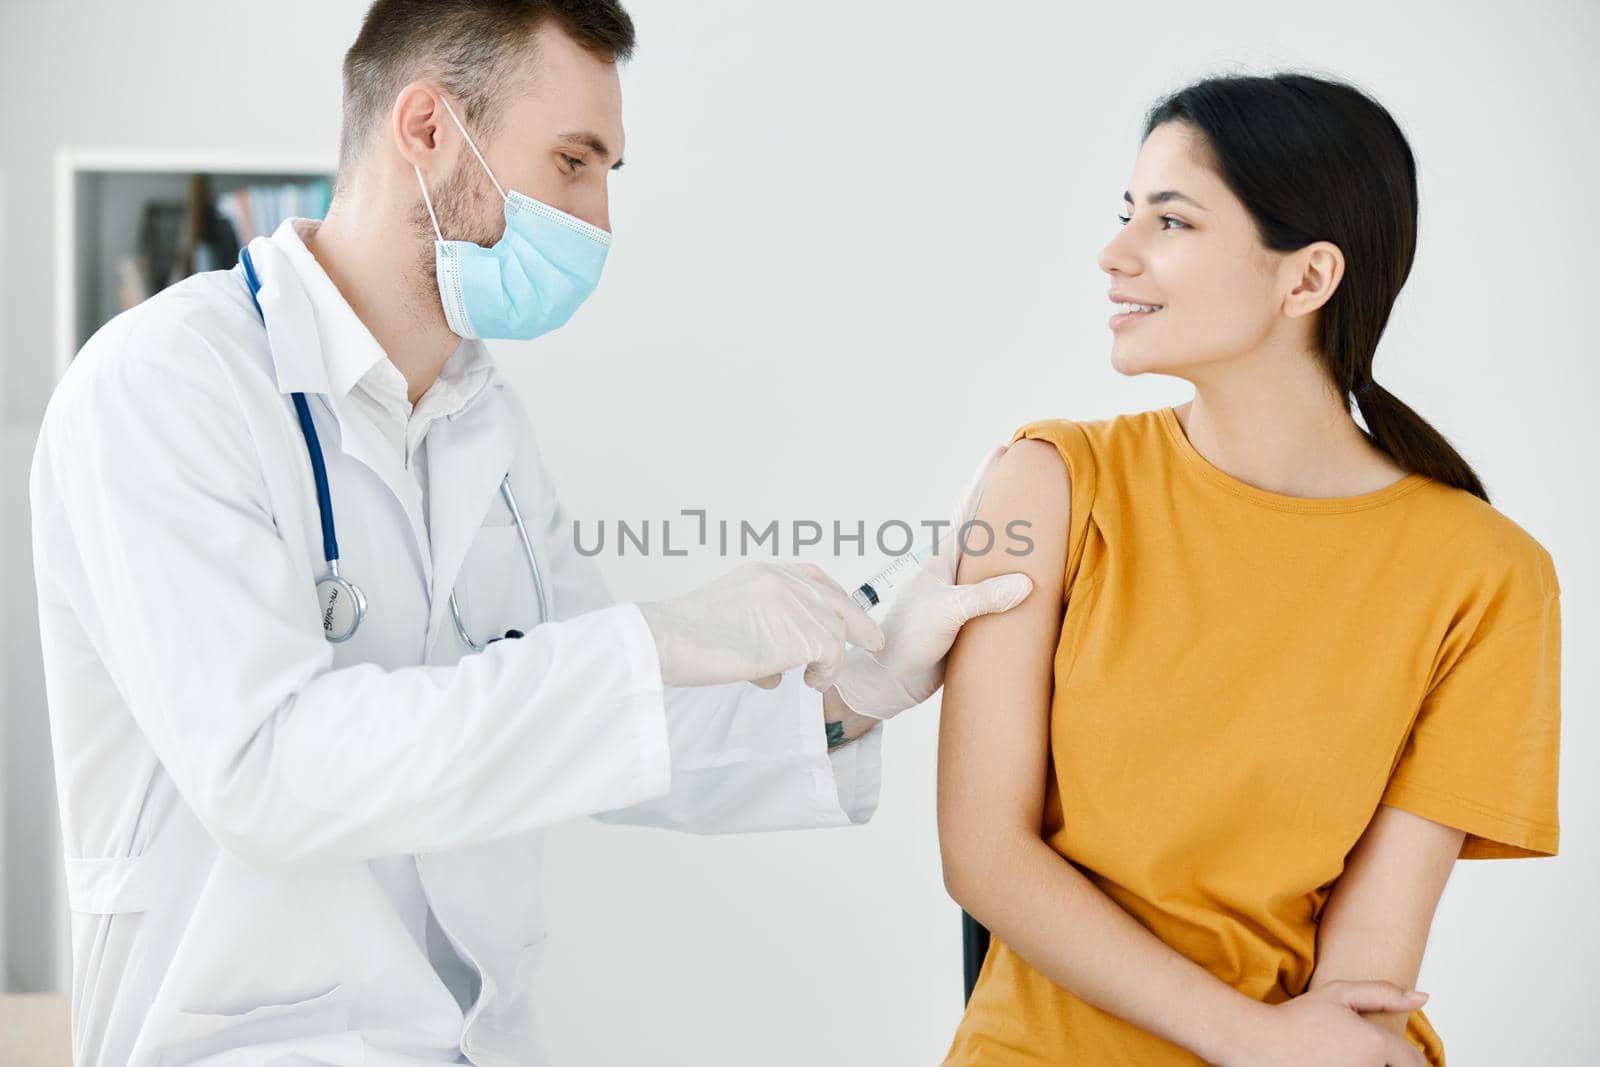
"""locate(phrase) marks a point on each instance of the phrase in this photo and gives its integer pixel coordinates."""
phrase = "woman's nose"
(1118, 255)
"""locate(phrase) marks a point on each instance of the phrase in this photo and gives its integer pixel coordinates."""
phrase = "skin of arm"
(994, 737)
(1375, 922)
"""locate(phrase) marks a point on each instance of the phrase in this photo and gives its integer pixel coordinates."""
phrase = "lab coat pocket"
(311, 1026)
(108, 886)
(495, 588)
(107, 896)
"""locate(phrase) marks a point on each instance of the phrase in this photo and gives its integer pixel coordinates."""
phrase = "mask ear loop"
(481, 162)
(472, 146)
(426, 200)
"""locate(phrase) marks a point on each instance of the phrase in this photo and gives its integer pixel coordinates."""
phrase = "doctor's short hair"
(475, 48)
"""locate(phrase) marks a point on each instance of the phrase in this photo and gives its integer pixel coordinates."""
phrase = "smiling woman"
(1206, 784)
(1309, 180)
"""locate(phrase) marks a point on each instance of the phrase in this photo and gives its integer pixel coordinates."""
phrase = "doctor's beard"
(469, 209)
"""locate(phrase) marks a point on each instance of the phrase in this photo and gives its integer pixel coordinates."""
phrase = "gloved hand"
(924, 619)
(755, 622)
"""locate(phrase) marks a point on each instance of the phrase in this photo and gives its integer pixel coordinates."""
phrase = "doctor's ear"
(419, 127)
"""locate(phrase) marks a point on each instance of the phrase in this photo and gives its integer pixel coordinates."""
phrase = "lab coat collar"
(349, 351)
(348, 348)
(286, 307)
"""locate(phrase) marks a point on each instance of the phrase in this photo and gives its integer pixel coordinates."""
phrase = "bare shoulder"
(1026, 503)
(1034, 467)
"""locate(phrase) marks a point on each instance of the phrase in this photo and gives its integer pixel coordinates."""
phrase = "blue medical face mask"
(544, 265)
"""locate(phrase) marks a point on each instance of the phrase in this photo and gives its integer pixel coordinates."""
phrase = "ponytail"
(1410, 441)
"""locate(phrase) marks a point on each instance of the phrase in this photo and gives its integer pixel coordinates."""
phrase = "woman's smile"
(1130, 310)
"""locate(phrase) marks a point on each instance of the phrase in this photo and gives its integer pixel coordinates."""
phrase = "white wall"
(848, 235)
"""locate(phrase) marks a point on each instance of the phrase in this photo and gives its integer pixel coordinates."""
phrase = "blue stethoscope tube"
(342, 603)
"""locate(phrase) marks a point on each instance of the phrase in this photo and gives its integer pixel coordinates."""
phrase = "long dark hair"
(1319, 160)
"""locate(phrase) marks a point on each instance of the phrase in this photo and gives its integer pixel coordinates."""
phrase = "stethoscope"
(342, 602)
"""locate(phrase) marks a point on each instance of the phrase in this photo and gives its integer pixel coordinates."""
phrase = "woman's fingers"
(1375, 996)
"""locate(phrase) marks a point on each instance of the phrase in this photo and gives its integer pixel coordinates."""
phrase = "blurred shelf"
(128, 223)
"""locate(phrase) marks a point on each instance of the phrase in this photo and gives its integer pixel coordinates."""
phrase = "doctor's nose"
(591, 206)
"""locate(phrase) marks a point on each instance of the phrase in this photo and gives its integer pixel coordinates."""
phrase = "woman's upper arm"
(994, 729)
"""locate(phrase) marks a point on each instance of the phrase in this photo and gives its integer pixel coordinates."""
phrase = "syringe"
(870, 592)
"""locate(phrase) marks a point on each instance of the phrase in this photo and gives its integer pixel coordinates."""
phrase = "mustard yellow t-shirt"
(1242, 678)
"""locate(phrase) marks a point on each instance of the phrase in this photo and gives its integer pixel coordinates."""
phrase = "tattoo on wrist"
(836, 735)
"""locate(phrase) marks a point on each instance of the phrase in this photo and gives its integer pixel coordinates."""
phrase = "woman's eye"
(1177, 223)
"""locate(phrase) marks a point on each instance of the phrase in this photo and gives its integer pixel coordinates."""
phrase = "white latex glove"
(755, 622)
(924, 619)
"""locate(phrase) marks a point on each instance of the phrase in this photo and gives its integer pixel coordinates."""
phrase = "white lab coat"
(226, 776)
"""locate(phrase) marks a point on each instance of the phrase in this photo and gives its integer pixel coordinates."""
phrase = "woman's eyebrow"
(1165, 196)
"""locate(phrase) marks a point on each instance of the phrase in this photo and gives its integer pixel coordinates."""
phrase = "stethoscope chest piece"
(343, 606)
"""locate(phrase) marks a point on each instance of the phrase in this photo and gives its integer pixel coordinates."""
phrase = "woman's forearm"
(1066, 928)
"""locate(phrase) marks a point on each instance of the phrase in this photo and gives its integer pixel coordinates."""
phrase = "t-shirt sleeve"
(1483, 753)
(1076, 453)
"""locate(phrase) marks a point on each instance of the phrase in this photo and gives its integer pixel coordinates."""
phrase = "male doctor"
(298, 832)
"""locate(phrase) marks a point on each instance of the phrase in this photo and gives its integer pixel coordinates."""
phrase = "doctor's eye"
(571, 161)
(1124, 219)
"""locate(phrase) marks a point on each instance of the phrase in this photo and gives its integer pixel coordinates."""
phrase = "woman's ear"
(1313, 273)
